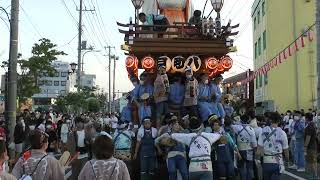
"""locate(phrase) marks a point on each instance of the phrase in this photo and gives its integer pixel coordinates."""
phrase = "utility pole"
(318, 49)
(79, 48)
(79, 44)
(114, 83)
(12, 68)
(109, 69)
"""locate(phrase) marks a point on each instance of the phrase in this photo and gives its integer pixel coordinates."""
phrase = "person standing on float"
(217, 96)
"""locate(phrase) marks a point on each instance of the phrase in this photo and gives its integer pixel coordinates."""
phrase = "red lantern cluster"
(216, 67)
(132, 66)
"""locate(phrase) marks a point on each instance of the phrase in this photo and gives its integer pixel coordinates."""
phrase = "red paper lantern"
(130, 61)
(220, 67)
(226, 62)
(213, 73)
(212, 63)
(148, 63)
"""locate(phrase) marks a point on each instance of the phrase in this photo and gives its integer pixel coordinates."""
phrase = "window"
(56, 83)
(255, 50)
(264, 39)
(259, 46)
(263, 8)
(62, 92)
(41, 83)
(260, 81)
(56, 74)
(64, 74)
(63, 83)
(48, 83)
(258, 17)
(266, 79)
(255, 23)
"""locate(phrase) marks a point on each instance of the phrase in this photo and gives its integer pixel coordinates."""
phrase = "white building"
(51, 87)
(88, 80)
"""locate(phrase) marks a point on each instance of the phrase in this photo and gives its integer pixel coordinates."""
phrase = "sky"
(57, 21)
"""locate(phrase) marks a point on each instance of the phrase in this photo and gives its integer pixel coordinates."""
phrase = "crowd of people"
(178, 127)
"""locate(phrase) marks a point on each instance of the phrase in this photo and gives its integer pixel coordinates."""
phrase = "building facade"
(51, 87)
(292, 84)
(88, 80)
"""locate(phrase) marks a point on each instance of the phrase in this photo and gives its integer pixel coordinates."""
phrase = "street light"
(82, 59)
(73, 66)
(217, 6)
(137, 5)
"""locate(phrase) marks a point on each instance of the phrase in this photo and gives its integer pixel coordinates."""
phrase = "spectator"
(19, 136)
(299, 129)
(36, 163)
(4, 168)
(310, 145)
(104, 166)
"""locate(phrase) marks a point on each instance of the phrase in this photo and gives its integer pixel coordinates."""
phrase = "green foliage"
(43, 54)
(80, 102)
(93, 104)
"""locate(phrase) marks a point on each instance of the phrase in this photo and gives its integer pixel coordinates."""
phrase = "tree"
(93, 104)
(40, 64)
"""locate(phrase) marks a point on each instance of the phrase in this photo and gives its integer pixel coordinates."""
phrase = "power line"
(100, 15)
(98, 25)
(30, 21)
(93, 30)
(68, 43)
(5, 22)
(69, 12)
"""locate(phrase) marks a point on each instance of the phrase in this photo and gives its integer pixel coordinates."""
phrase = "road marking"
(293, 175)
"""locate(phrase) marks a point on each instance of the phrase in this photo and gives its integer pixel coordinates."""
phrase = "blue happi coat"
(177, 92)
(206, 107)
(126, 113)
(144, 110)
(214, 88)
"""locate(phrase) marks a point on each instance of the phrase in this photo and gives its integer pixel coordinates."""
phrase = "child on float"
(145, 146)
(190, 101)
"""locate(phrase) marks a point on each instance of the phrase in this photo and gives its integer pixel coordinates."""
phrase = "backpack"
(29, 176)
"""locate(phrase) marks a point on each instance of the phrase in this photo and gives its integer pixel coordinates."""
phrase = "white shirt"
(201, 146)
(276, 143)
(81, 136)
(257, 132)
(114, 122)
(246, 136)
(106, 121)
(141, 133)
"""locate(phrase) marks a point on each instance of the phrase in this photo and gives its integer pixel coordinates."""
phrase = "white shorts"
(64, 138)
(19, 147)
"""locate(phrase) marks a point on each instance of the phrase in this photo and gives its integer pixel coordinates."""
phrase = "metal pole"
(114, 84)
(79, 48)
(109, 55)
(12, 69)
(318, 48)
(296, 64)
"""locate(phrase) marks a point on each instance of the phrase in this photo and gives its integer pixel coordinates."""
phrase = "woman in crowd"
(104, 166)
(4, 168)
(36, 163)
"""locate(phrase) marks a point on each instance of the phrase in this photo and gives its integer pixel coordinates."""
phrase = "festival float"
(204, 47)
